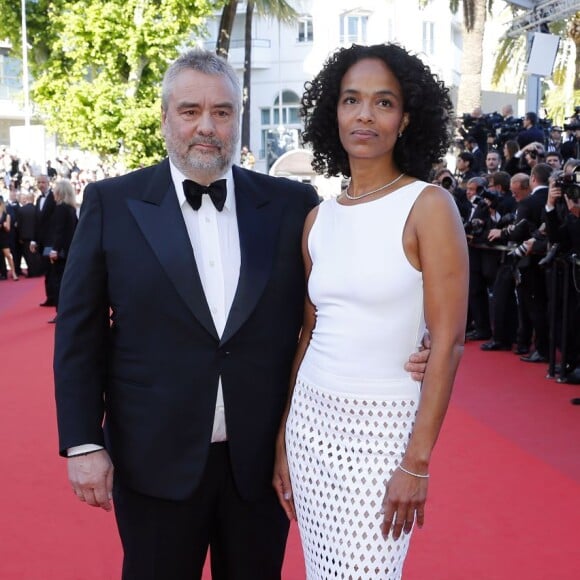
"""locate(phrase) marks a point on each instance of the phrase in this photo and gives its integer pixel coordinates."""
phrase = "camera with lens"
(532, 153)
(475, 227)
(570, 184)
(447, 182)
(491, 196)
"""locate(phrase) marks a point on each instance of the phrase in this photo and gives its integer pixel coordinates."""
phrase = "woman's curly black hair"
(425, 99)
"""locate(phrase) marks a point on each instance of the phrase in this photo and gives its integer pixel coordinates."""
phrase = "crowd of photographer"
(523, 229)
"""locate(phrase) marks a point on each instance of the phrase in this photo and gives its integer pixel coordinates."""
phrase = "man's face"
(492, 162)
(42, 183)
(556, 136)
(519, 191)
(553, 161)
(471, 190)
(461, 164)
(201, 124)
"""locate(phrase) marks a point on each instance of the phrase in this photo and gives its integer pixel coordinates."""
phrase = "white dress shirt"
(215, 241)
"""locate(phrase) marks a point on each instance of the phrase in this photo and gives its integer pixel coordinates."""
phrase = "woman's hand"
(281, 480)
(404, 503)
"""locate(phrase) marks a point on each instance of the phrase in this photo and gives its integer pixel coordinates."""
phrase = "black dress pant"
(505, 313)
(534, 294)
(49, 281)
(483, 265)
(169, 540)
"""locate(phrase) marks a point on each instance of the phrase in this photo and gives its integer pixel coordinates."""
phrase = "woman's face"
(370, 110)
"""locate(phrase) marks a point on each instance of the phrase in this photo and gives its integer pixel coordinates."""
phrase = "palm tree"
(225, 30)
(564, 86)
(474, 17)
(280, 10)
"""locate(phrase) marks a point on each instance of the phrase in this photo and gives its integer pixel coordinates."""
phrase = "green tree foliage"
(97, 67)
(562, 90)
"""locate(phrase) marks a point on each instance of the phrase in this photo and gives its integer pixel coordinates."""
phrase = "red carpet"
(504, 496)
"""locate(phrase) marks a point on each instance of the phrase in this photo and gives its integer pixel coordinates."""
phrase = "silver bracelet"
(425, 476)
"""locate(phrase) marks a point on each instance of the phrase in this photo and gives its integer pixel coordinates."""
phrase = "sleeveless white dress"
(354, 404)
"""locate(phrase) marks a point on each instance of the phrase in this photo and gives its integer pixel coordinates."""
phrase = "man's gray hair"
(204, 62)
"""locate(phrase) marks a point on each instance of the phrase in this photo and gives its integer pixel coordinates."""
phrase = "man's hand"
(554, 194)
(493, 234)
(417, 362)
(91, 477)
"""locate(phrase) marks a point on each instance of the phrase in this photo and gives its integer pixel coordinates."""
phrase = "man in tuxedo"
(26, 233)
(179, 314)
(533, 287)
(531, 132)
(45, 205)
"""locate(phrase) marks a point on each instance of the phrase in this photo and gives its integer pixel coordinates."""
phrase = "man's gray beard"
(210, 167)
(213, 167)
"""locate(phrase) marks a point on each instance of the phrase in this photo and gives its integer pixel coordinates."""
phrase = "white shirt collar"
(178, 178)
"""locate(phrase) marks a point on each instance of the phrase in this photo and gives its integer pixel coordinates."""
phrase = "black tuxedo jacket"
(136, 346)
(64, 221)
(532, 207)
(27, 222)
(44, 231)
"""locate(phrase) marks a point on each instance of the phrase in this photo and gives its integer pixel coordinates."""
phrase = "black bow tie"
(216, 190)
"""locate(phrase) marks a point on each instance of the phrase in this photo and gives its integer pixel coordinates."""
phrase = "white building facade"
(285, 56)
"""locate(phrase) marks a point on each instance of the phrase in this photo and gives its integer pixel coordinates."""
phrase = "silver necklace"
(355, 197)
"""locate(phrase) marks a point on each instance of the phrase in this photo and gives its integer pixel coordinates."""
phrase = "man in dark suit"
(26, 233)
(179, 314)
(45, 205)
(531, 132)
(533, 287)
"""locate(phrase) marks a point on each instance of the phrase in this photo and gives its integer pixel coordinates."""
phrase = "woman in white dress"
(384, 260)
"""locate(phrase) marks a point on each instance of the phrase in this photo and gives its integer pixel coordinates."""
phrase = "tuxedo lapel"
(159, 218)
(258, 215)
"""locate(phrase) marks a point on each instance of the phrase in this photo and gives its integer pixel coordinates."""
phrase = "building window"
(429, 38)
(353, 28)
(281, 127)
(10, 77)
(305, 29)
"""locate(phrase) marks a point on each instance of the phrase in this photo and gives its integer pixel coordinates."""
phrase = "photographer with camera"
(570, 149)
(444, 178)
(562, 218)
(512, 228)
(531, 132)
(504, 307)
(530, 155)
(526, 231)
(483, 262)
(499, 182)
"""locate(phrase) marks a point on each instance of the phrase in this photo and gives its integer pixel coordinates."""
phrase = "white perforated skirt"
(342, 449)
